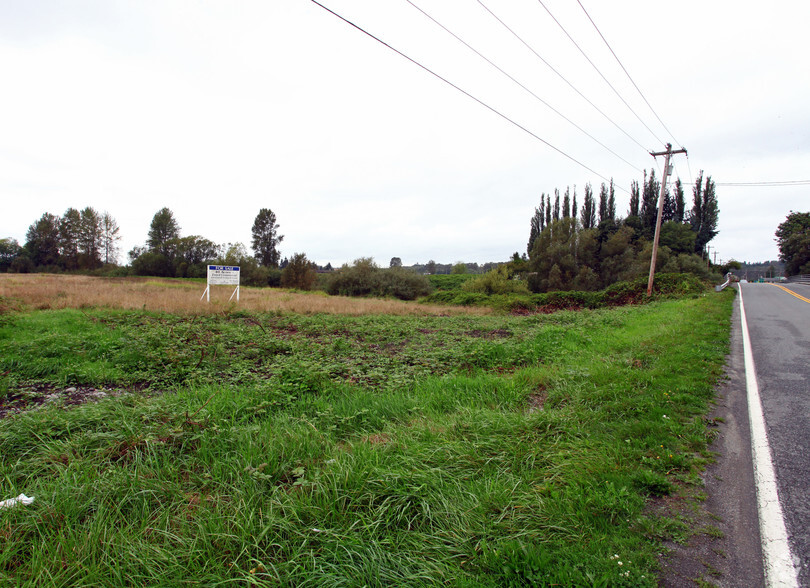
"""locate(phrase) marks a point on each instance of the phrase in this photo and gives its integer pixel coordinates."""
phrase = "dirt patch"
(536, 401)
(496, 334)
(34, 396)
(378, 439)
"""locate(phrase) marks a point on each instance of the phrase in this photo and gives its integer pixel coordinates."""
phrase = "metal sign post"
(222, 275)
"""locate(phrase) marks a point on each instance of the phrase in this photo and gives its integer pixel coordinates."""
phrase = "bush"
(403, 284)
(496, 281)
(364, 278)
(299, 273)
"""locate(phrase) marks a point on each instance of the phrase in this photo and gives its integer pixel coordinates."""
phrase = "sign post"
(222, 275)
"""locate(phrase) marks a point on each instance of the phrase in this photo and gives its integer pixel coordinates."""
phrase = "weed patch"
(375, 450)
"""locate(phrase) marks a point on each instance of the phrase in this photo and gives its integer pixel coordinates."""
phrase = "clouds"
(218, 110)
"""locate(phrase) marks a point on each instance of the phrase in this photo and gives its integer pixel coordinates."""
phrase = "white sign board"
(222, 275)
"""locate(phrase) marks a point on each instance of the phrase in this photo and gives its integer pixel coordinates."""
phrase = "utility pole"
(667, 154)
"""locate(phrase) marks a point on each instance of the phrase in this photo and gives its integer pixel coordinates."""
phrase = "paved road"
(779, 325)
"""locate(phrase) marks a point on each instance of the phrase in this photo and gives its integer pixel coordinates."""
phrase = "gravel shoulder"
(725, 549)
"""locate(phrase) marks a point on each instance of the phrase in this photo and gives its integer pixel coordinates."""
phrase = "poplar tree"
(705, 212)
(603, 206)
(588, 213)
(566, 209)
(635, 199)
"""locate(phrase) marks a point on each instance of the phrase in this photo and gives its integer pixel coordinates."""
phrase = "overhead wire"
(562, 77)
(772, 184)
(448, 82)
(629, 77)
(490, 62)
(559, 24)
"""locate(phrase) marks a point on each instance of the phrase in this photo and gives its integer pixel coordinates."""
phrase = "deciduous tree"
(42, 241)
(705, 212)
(300, 273)
(793, 238)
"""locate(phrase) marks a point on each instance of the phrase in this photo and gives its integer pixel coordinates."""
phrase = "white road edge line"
(780, 569)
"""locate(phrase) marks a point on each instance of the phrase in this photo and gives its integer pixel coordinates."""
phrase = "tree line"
(78, 240)
(590, 247)
(86, 240)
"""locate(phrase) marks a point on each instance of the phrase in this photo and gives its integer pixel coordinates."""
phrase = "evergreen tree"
(548, 209)
(556, 213)
(705, 212)
(163, 229)
(266, 238)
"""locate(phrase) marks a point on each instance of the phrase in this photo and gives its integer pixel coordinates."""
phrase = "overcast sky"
(218, 109)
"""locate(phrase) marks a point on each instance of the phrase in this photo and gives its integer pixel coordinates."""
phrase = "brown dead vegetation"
(51, 291)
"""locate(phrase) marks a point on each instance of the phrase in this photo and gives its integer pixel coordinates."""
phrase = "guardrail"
(802, 279)
(724, 284)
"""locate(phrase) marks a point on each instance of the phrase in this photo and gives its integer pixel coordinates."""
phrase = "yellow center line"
(792, 293)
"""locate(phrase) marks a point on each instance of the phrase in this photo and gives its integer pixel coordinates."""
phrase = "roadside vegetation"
(265, 445)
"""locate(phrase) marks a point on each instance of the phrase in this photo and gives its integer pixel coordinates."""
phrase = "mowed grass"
(326, 450)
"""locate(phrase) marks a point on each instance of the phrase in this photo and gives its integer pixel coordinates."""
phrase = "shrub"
(299, 273)
(496, 281)
(364, 278)
(402, 283)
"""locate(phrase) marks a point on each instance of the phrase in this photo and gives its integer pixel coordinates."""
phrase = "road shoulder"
(725, 549)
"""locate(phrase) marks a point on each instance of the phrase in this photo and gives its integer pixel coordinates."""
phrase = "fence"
(802, 279)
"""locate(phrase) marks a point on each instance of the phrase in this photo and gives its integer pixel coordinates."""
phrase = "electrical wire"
(632, 82)
(562, 77)
(554, 18)
(557, 112)
(773, 184)
(448, 82)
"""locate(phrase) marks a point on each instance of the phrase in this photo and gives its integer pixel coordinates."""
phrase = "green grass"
(343, 451)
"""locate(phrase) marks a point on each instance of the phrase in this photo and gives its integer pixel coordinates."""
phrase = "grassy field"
(250, 446)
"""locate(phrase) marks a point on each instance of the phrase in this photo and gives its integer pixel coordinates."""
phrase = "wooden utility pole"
(667, 154)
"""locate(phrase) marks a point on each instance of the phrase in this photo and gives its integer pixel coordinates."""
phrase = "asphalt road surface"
(779, 324)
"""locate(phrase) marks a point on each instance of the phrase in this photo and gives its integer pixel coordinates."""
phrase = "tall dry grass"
(51, 291)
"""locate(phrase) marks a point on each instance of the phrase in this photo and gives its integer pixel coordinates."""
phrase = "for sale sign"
(223, 275)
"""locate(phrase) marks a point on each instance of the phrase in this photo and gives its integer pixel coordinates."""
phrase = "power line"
(446, 81)
(557, 112)
(562, 77)
(595, 67)
(778, 183)
(631, 81)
